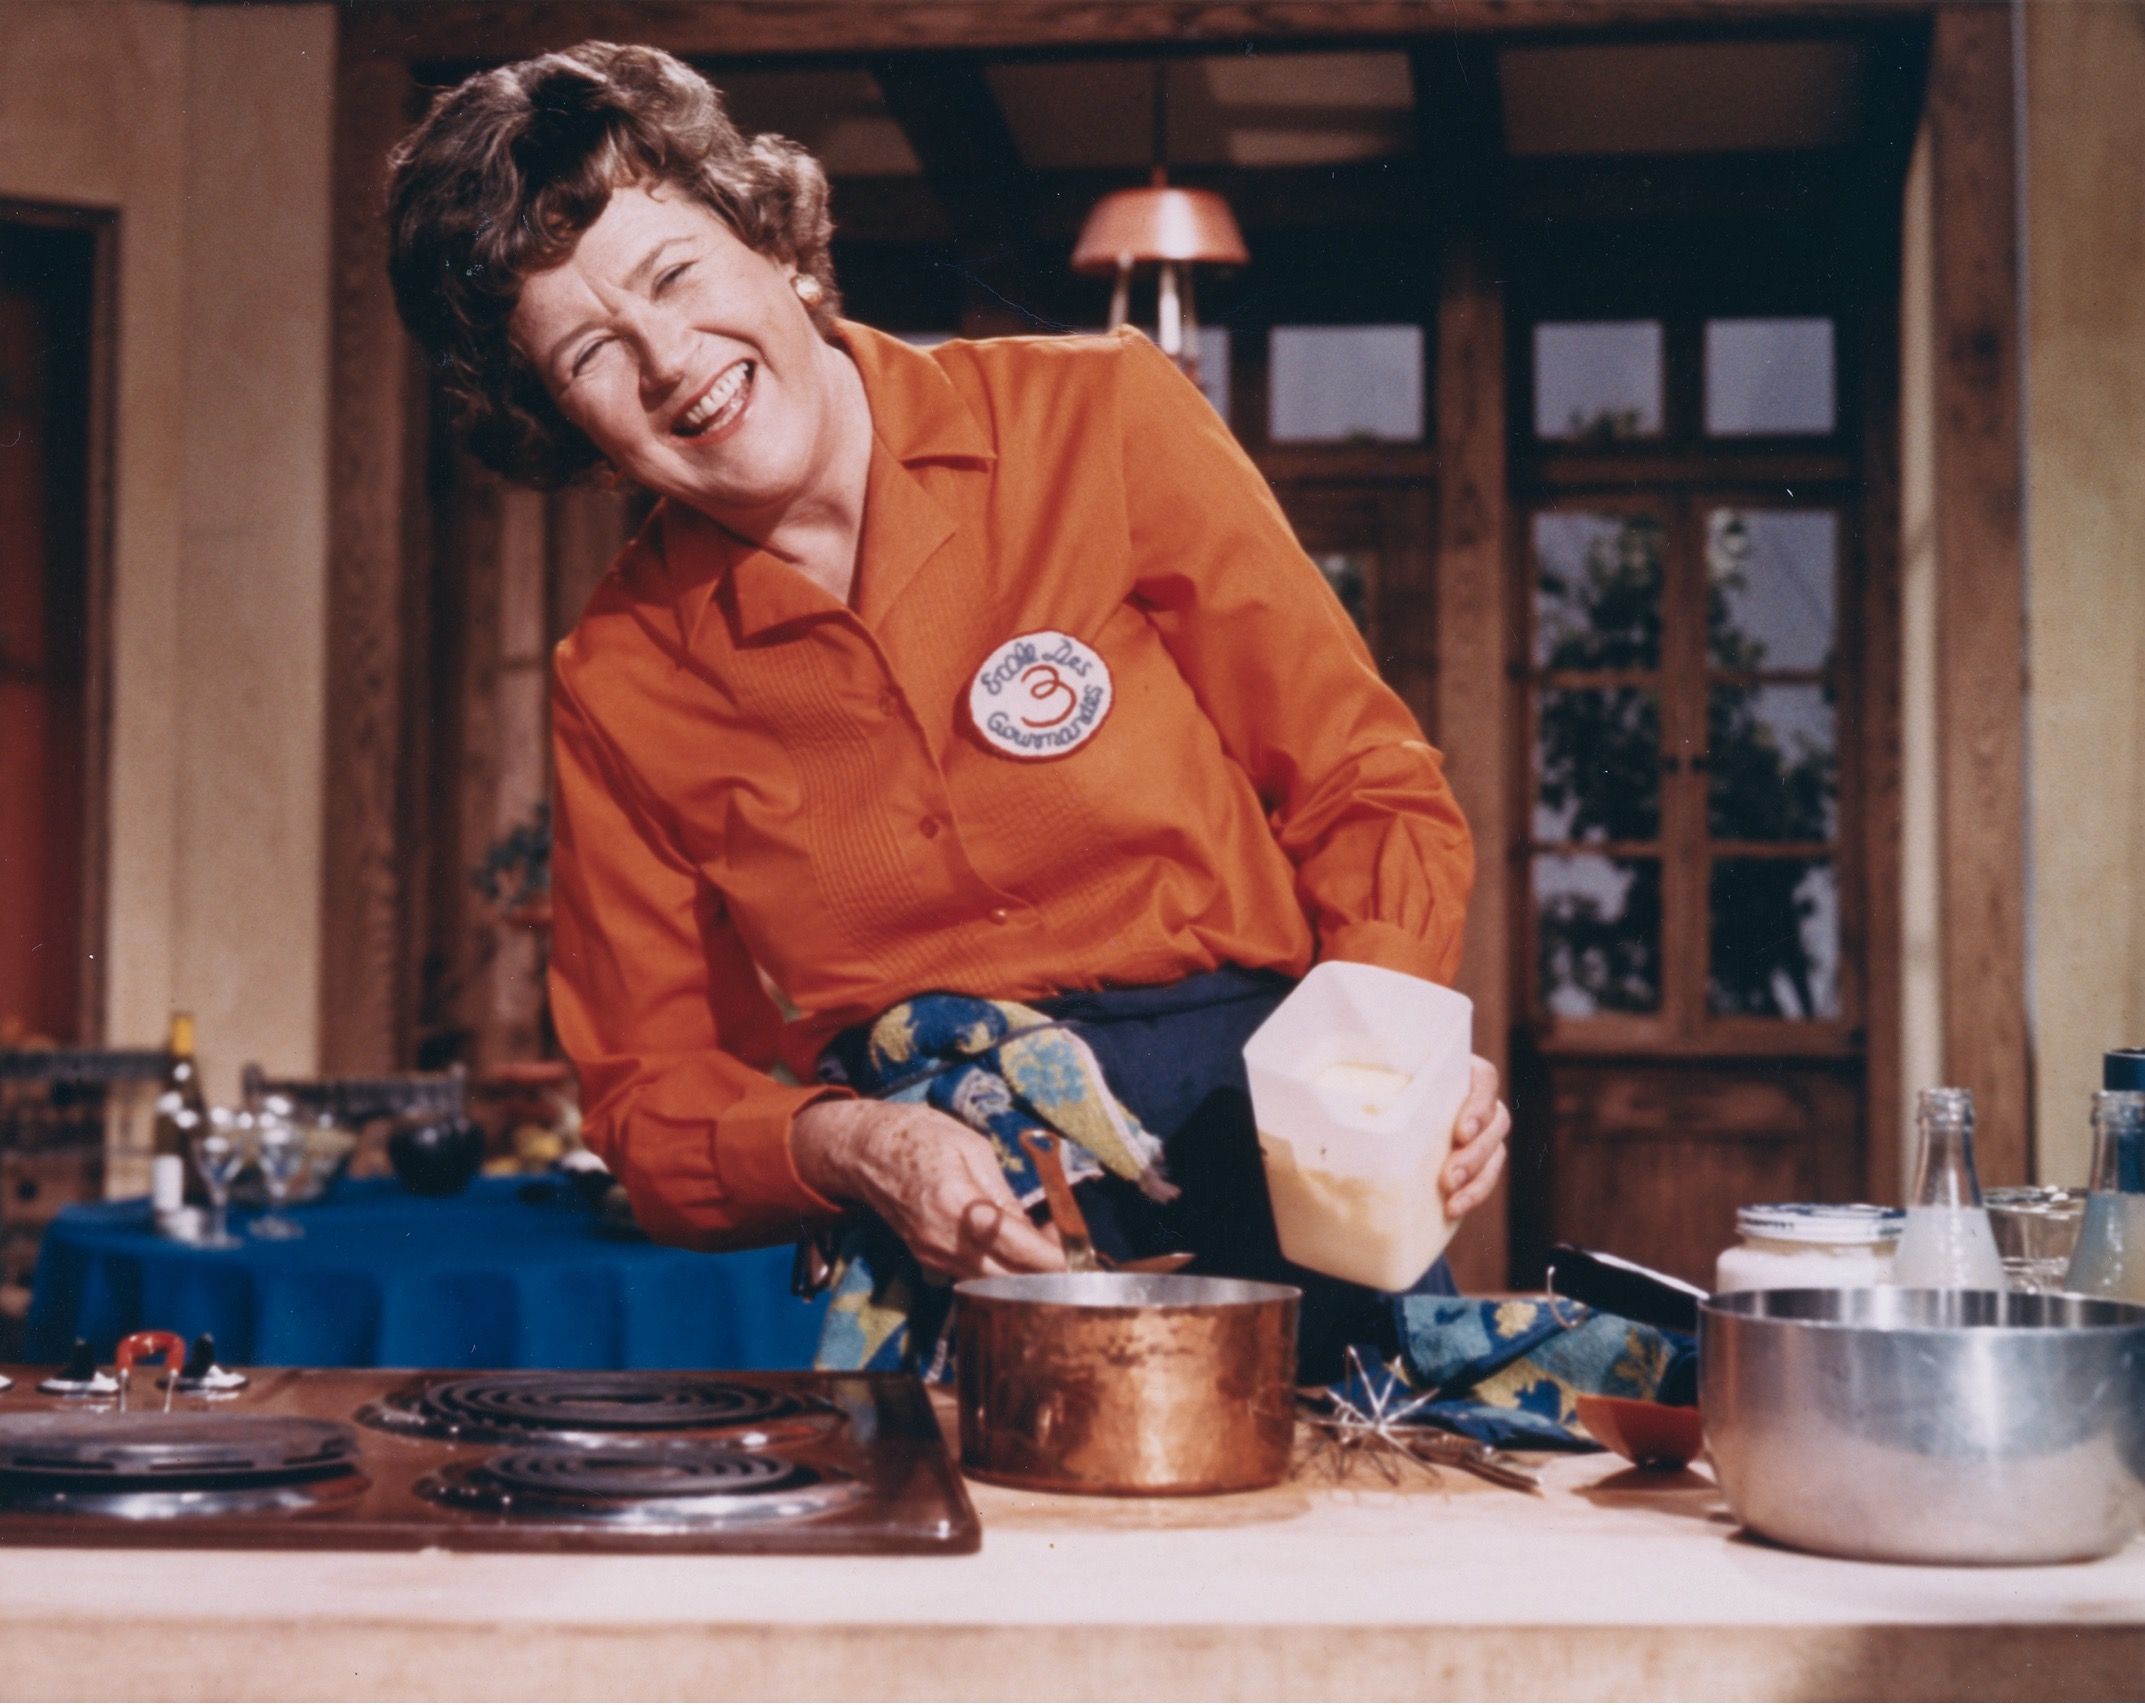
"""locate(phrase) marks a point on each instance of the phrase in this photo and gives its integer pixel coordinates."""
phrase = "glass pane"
(1214, 367)
(1773, 772)
(1776, 938)
(1598, 923)
(1597, 591)
(1597, 765)
(1351, 575)
(1597, 381)
(1769, 376)
(1333, 383)
(1770, 575)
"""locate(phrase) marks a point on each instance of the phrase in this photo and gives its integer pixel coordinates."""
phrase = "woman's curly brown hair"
(509, 168)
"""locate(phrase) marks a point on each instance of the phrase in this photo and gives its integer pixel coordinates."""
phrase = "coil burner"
(659, 1484)
(160, 1467)
(596, 1408)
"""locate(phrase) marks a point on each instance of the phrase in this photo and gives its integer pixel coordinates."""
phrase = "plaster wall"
(2085, 542)
(207, 131)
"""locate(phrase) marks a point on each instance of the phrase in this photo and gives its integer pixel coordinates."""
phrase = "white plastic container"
(1793, 1246)
(1356, 1081)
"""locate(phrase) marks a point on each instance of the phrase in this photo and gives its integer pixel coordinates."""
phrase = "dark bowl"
(436, 1157)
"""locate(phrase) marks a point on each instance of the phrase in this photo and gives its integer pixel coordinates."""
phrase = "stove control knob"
(201, 1372)
(81, 1377)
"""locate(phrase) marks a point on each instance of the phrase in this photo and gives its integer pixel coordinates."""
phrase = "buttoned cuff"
(752, 1152)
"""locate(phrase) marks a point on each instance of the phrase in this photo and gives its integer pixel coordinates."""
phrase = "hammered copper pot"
(1123, 1383)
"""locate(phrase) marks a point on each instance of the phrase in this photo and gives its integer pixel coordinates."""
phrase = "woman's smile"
(720, 407)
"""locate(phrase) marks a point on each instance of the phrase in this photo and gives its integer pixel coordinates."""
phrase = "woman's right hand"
(933, 1180)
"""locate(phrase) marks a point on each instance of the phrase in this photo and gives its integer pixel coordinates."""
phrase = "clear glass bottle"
(2110, 1258)
(1948, 1243)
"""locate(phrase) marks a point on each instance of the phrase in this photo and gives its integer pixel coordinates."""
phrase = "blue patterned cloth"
(1001, 1069)
(1507, 1372)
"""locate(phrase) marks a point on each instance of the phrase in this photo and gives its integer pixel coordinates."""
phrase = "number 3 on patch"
(1040, 696)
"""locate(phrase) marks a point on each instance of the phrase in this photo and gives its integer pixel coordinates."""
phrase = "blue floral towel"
(1001, 1069)
(1508, 1372)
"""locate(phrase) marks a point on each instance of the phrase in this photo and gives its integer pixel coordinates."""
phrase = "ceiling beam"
(487, 32)
(945, 108)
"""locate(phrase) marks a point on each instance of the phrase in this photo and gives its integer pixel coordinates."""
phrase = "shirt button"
(889, 703)
(999, 915)
(928, 828)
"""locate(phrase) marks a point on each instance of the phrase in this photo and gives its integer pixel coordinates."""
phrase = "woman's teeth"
(724, 402)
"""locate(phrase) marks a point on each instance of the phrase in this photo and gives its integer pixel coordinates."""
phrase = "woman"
(992, 669)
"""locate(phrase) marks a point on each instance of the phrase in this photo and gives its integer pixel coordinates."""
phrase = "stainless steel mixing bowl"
(1928, 1426)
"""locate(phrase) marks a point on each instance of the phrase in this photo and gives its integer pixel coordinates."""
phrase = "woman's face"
(685, 356)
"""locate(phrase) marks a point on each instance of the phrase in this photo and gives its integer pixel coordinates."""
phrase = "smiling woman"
(993, 668)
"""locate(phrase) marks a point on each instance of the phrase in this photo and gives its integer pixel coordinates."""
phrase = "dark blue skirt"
(1175, 1056)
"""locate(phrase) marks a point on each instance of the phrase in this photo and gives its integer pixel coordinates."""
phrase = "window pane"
(1769, 376)
(1771, 755)
(1333, 383)
(1598, 924)
(1597, 591)
(1775, 939)
(1214, 367)
(1351, 574)
(1597, 381)
(1771, 574)
(1597, 765)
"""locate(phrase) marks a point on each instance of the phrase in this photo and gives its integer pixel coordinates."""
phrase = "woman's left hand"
(1478, 1138)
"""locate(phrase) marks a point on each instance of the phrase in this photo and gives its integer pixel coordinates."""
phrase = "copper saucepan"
(1126, 1383)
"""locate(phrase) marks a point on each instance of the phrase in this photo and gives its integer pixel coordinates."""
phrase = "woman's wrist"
(824, 1139)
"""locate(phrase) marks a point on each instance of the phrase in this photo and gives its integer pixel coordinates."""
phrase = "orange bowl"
(1651, 1435)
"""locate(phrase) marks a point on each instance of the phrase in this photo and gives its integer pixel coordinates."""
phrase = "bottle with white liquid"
(2110, 1258)
(1947, 1243)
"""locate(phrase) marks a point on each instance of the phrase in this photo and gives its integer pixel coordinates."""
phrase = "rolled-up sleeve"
(1355, 796)
(660, 1007)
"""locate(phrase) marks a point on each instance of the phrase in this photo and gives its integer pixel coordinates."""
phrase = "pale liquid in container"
(1354, 1227)
(1368, 1090)
(2110, 1258)
(1948, 1249)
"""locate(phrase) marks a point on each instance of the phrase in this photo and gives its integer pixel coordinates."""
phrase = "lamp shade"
(1159, 223)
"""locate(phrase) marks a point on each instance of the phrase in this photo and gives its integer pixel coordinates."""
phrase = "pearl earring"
(809, 290)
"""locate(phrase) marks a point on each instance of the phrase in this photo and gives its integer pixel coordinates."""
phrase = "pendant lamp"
(1165, 227)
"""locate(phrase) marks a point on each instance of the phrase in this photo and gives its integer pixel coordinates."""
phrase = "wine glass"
(219, 1146)
(279, 1151)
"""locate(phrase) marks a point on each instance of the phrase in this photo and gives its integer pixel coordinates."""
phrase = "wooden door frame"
(376, 514)
(101, 226)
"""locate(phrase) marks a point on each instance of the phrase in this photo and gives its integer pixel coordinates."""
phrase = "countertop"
(1610, 1583)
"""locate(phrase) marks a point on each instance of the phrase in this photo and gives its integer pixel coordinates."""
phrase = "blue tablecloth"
(382, 1278)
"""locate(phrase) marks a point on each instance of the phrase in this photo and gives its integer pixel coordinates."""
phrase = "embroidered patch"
(1040, 696)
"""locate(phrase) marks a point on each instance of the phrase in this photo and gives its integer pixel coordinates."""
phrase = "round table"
(511, 1273)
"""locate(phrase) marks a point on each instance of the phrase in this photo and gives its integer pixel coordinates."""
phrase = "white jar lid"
(1820, 1222)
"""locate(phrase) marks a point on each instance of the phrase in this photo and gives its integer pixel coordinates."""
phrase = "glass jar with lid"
(1790, 1246)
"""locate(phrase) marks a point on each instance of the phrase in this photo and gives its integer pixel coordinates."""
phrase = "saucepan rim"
(1143, 1293)
(2103, 1315)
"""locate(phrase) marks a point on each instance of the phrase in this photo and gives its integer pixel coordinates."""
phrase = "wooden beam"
(362, 900)
(424, 29)
(1980, 650)
(1456, 98)
(952, 121)
(1880, 747)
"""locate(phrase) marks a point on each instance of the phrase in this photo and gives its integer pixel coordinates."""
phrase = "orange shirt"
(761, 790)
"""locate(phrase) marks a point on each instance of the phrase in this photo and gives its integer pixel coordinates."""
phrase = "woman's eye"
(667, 279)
(581, 361)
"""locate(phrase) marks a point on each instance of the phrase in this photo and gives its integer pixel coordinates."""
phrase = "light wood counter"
(1611, 1584)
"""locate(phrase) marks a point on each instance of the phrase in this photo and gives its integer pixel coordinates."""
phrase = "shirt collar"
(918, 416)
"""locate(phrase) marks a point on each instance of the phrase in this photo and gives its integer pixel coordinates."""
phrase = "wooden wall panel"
(1474, 719)
(1980, 592)
(364, 965)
